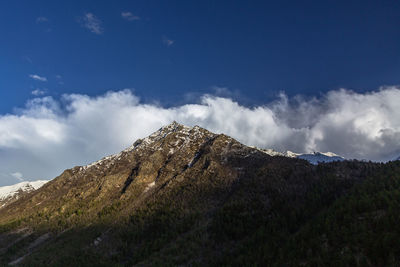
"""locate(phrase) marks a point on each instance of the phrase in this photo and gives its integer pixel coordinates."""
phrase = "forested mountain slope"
(186, 196)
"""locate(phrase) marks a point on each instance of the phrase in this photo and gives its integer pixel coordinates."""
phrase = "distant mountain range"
(314, 158)
(184, 196)
(318, 157)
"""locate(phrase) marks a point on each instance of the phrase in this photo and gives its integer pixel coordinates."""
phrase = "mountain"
(313, 158)
(187, 196)
(318, 157)
(13, 192)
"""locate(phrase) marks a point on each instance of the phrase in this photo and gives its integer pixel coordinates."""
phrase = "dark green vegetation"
(190, 197)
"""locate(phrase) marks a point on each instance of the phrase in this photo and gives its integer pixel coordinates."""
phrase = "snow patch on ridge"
(12, 190)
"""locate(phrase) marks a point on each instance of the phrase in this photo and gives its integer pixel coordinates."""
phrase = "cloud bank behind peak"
(49, 135)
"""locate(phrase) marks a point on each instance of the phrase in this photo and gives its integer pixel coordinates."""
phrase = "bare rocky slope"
(182, 196)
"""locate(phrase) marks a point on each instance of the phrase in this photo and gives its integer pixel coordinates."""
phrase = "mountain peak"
(317, 157)
(314, 158)
(328, 154)
(13, 192)
(176, 126)
(183, 135)
(172, 126)
(175, 136)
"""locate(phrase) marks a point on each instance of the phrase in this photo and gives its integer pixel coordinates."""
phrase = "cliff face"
(181, 196)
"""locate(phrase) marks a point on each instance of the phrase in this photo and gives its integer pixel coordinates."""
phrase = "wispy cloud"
(363, 126)
(92, 23)
(38, 78)
(167, 41)
(41, 19)
(18, 176)
(129, 16)
(38, 92)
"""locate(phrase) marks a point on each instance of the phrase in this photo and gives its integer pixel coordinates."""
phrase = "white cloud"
(18, 176)
(38, 92)
(92, 23)
(129, 16)
(41, 19)
(38, 78)
(168, 42)
(50, 135)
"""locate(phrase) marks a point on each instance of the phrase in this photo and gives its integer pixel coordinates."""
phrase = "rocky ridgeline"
(11, 193)
(174, 141)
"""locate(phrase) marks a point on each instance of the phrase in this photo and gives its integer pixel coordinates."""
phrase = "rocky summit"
(186, 196)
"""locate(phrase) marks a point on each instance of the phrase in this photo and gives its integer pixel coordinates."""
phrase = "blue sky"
(83, 79)
(255, 48)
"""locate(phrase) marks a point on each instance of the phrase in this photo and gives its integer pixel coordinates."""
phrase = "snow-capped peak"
(291, 154)
(164, 131)
(314, 158)
(185, 132)
(269, 151)
(12, 190)
(317, 157)
(328, 154)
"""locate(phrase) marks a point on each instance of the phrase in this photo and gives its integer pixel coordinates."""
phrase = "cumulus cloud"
(129, 16)
(49, 135)
(38, 78)
(18, 176)
(92, 23)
